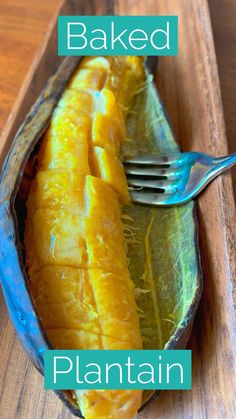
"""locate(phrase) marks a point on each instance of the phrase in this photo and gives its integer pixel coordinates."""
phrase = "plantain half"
(161, 243)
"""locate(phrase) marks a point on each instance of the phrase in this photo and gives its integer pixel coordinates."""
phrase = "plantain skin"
(76, 256)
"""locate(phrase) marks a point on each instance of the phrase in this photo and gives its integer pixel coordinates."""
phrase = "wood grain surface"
(23, 26)
(190, 89)
(223, 15)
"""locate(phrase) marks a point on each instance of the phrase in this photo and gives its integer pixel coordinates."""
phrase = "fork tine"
(155, 161)
(142, 183)
(145, 171)
(165, 173)
(148, 198)
(164, 187)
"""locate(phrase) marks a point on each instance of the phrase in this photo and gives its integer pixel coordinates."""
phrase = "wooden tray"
(190, 89)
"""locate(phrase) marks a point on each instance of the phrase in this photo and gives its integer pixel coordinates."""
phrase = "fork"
(173, 179)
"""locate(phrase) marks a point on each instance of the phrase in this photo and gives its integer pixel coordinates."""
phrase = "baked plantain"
(161, 243)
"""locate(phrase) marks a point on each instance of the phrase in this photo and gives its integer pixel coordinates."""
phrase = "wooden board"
(223, 14)
(190, 89)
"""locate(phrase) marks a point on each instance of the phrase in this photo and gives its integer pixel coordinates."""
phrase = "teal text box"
(117, 35)
(118, 369)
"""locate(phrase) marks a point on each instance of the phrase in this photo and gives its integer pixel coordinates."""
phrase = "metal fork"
(172, 180)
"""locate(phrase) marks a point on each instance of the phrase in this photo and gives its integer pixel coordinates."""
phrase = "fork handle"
(221, 164)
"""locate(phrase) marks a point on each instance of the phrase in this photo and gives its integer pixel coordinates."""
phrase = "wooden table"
(223, 15)
(23, 26)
